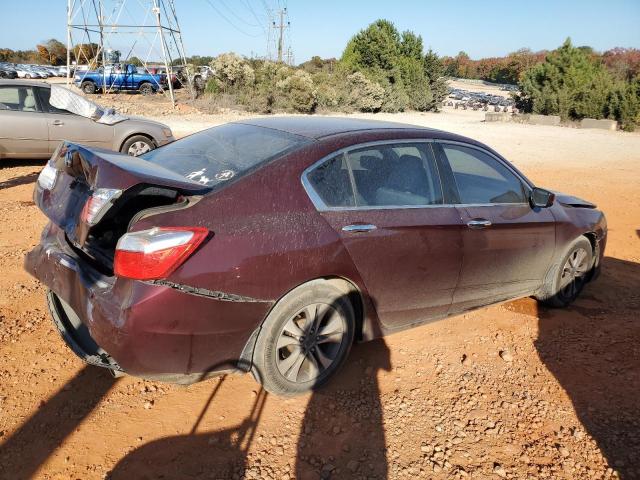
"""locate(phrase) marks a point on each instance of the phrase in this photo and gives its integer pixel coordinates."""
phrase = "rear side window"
(20, 99)
(395, 175)
(331, 182)
(217, 155)
(482, 179)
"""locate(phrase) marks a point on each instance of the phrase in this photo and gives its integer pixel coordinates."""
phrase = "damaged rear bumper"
(155, 331)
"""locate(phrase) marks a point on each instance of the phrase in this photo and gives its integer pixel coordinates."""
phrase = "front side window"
(481, 179)
(44, 94)
(20, 99)
(395, 175)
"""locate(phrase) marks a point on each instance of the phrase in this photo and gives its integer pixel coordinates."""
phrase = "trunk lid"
(80, 171)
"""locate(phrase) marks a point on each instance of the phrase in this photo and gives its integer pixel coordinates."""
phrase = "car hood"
(146, 121)
(571, 201)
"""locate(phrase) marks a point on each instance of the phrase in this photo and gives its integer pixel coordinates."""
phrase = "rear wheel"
(88, 88)
(137, 145)
(146, 89)
(304, 340)
(571, 276)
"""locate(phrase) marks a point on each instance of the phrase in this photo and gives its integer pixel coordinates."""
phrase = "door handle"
(58, 122)
(478, 223)
(359, 228)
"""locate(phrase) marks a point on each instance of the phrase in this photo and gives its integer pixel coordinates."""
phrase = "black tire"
(272, 356)
(569, 276)
(88, 87)
(146, 89)
(137, 145)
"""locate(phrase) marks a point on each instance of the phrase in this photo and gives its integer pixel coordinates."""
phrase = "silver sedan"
(31, 127)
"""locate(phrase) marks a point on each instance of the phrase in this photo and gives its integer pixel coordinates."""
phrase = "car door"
(64, 125)
(507, 244)
(385, 202)
(23, 127)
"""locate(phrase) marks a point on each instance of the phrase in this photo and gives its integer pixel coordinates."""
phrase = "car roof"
(25, 83)
(318, 127)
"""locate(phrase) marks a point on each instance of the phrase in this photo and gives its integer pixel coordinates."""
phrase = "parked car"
(30, 127)
(272, 244)
(8, 72)
(155, 70)
(125, 78)
(25, 71)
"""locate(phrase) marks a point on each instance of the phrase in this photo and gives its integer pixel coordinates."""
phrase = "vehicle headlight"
(167, 132)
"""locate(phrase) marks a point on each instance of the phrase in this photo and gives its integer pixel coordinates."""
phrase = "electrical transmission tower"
(107, 32)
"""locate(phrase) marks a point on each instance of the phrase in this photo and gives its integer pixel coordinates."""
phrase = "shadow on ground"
(17, 181)
(22, 453)
(223, 453)
(593, 350)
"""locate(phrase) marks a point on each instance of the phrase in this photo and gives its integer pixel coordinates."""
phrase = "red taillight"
(98, 204)
(155, 253)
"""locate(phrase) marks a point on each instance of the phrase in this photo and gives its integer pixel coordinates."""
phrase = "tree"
(434, 71)
(375, 48)
(86, 53)
(569, 83)
(397, 63)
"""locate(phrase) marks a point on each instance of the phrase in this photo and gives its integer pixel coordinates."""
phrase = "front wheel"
(304, 340)
(137, 145)
(571, 276)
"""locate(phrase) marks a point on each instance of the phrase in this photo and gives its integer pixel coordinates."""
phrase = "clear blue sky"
(488, 28)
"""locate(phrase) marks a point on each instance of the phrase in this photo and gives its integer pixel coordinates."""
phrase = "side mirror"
(541, 198)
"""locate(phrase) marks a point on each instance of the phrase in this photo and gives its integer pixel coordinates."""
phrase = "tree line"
(384, 70)
(381, 70)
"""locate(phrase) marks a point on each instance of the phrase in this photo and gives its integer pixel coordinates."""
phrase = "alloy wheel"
(310, 342)
(574, 273)
(138, 148)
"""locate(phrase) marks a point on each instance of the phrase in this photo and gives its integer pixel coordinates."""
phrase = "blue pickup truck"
(125, 77)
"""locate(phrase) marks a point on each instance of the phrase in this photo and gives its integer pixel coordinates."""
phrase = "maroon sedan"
(272, 245)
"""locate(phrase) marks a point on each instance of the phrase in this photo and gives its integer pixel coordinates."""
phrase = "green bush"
(364, 95)
(574, 84)
(232, 72)
(624, 104)
(395, 98)
(298, 92)
(396, 61)
(380, 70)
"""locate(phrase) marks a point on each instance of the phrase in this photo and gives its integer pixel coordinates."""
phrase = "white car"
(24, 73)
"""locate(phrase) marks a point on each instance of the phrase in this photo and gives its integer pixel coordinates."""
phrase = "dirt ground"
(511, 391)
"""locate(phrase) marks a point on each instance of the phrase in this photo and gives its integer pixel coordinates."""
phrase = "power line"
(224, 17)
(238, 17)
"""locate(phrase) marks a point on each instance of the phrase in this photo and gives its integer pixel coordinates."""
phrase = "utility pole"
(282, 13)
(69, 10)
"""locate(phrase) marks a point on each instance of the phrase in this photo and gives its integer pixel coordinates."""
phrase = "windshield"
(219, 154)
(65, 99)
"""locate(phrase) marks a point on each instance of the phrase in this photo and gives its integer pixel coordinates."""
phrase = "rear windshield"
(221, 153)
